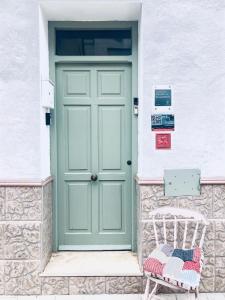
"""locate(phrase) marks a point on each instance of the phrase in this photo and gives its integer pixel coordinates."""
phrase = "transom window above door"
(93, 42)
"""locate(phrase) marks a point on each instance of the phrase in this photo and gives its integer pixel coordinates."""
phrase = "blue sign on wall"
(162, 97)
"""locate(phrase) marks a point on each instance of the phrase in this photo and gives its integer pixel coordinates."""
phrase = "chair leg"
(196, 294)
(153, 291)
(147, 289)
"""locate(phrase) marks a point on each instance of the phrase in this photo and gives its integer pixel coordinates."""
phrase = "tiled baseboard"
(92, 285)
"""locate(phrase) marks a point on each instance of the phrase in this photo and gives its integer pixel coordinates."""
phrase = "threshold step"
(93, 263)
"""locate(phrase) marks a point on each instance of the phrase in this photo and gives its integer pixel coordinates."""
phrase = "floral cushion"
(177, 266)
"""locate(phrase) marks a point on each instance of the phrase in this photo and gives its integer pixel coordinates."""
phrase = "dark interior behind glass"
(93, 42)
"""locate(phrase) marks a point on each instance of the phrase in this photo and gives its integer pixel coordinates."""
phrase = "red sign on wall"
(163, 141)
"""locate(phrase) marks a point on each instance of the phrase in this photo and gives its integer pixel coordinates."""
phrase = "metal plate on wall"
(182, 182)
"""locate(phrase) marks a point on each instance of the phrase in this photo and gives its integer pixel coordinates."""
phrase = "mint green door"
(94, 145)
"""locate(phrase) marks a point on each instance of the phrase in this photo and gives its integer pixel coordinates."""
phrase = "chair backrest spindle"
(175, 232)
(155, 232)
(202, 237)
(164, 230)
(195, 235)
(185, 234)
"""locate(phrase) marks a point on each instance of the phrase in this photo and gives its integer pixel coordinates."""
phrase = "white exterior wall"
(184, 45)
(44, 75)
(19, 90)
(181, 43)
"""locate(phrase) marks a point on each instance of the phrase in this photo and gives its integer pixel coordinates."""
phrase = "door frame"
(133, 60)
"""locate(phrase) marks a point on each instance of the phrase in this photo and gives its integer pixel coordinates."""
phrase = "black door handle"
(129, 162)
(94, 177)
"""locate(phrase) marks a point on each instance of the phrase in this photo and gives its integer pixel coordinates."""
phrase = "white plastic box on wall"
(47, 93)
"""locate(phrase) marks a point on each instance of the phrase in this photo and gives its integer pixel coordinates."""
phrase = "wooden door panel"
(79, 207)
(111, 207)
(110, 137)
(78, 132)
(110, 84)
(77, 83)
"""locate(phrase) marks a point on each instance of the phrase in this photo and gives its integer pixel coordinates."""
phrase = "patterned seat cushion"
(176, 266)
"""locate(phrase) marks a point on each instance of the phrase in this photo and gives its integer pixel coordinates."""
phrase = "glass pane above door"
(93, 42)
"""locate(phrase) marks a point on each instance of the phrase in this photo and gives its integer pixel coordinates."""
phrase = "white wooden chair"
(185, 229)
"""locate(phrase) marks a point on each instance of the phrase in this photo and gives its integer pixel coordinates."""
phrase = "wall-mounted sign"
(163, 141)
(162, 122)
(163, 97)
(162, 101)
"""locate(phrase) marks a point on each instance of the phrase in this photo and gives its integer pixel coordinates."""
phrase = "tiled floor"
(115, 297)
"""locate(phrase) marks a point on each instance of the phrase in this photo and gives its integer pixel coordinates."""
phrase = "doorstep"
(204, 296)
(92, 263)
(76, 297)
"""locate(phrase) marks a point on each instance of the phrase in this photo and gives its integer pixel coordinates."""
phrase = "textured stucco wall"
(19, 90)
(44, 75)
(183, 45)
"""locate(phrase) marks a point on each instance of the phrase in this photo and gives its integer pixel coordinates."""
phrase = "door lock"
(94, 177)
